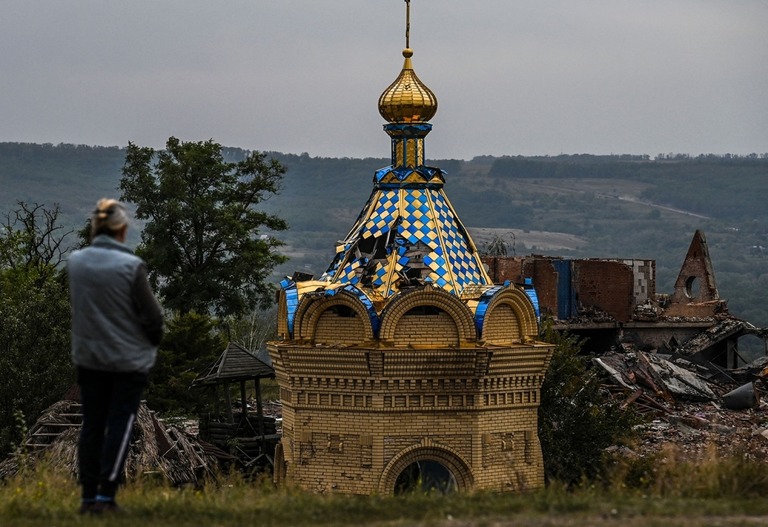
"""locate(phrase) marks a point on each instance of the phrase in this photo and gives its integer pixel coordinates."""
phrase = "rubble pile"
(689, 407)
(157, 449)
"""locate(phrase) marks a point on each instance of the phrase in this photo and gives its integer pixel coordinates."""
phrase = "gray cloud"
(524, 77)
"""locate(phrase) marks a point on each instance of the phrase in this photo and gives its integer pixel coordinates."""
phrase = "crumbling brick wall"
(606, 286)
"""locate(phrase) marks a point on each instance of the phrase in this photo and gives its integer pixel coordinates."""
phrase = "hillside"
(571, 205)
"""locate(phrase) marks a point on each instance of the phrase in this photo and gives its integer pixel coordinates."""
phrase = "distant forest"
(618, 206)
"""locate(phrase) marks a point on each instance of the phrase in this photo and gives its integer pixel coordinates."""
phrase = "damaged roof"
(721, 331)
(408, 233)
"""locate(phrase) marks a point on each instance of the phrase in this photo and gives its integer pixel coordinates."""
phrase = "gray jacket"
(116, 321)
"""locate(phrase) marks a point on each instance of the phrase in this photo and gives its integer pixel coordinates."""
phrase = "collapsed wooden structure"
(250, 437)
(157, 450)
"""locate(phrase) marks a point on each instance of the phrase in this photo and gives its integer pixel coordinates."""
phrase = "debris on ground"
(157, 450)
(688, 406)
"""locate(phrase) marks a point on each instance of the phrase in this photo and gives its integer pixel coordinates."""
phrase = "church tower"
(403, 365)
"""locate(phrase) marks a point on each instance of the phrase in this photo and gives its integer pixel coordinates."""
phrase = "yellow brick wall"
(502, 326)
(357, 410)
(334, 329)
(433, 330)
(342, 431)
(347, 452)
(522, 311)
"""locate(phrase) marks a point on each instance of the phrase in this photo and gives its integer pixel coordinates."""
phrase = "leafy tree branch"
(206, 244)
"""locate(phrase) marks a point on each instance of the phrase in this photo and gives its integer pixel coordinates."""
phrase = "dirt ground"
(697, 430)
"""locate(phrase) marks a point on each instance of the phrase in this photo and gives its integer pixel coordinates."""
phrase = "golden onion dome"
(407, 100)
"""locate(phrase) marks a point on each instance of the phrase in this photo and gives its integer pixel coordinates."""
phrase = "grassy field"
(723, 494)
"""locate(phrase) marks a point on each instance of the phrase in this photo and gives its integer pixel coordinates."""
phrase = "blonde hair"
(109, 217)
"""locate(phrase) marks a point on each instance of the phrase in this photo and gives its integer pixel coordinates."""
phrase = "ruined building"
(613, 303)
(403, 364)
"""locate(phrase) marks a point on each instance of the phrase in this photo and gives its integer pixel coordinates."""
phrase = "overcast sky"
(511, 76)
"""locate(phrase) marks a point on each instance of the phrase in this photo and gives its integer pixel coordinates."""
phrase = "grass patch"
(678, 493)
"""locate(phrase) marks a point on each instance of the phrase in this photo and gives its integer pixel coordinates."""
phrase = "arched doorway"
(426, 468)
(426, 476)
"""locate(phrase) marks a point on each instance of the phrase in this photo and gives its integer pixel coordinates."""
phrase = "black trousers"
(110, 402)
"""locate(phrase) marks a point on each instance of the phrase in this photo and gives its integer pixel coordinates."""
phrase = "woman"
(116, 326)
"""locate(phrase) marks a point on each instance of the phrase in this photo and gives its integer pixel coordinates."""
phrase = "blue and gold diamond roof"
(407, 236)
(408, 233)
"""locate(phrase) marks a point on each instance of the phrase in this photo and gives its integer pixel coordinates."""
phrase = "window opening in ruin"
(750, 348)
(692, 287)
(426, 476)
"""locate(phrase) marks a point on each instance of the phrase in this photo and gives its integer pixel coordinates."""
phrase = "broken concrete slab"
(680, 382)
(656, 374)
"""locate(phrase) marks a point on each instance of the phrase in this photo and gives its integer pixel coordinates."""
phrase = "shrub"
(577, 419)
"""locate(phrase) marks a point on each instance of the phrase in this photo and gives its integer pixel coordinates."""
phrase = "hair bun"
(109, 217)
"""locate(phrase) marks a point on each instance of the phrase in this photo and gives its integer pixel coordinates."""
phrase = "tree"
(254, 330)
(31, 239)
(35, 315)
(190, 346)
(577, 422)
(202, 240)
